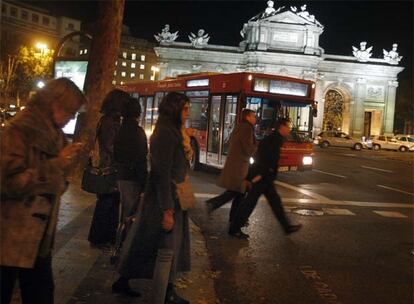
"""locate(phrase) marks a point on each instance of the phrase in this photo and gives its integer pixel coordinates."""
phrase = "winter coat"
(107, 129)
(31, 187)
(130, 152)
(146, 236)
(267, 157)
(242, 147)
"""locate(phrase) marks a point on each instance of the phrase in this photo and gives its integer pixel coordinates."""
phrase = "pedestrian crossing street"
(310, 207)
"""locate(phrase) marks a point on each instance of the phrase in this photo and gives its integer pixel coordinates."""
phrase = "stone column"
(163, 70)
(357, 121)
(319, 98)
(388, 127)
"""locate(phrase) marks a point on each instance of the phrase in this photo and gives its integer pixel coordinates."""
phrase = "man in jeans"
(242, 147)
(262, 175)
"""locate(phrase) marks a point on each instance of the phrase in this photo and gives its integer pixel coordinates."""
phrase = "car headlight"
(251, 160)
(307, 160)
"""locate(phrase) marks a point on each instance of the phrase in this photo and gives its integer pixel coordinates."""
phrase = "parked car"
(326, 139)
(397, 143)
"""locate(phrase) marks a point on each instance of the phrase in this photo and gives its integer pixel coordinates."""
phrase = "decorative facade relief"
(166, 37)
(392, 57)
(200, 40)
(375, 92)
(362, 54)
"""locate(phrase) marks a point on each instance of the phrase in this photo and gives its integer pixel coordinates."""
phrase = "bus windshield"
(269, 110)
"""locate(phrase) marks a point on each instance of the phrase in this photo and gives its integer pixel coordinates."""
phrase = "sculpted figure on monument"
(165, 36)
(392, 57)
(362, 54)
(270, 8)
(200, 40)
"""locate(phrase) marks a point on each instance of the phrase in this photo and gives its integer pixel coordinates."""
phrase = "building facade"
(137, 60)
(355, 94)
(26, 25)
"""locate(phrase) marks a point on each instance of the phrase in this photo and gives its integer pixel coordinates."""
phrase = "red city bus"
(216, 104)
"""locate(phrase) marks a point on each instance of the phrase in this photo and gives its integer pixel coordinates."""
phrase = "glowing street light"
(42, 47)
(40, 84)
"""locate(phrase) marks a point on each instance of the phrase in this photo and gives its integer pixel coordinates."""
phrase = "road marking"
(348, 154)
(321, 198)
(393, 214)
(337, 211)
(377, 169)
(328, 173)
(318, 284)
(313, 201)
(397, 190)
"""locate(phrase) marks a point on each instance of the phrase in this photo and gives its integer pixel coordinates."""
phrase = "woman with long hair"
(161, 223)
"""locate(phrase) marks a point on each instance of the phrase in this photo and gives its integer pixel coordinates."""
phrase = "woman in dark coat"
(161, 223)
(130, 153)
(105, 217)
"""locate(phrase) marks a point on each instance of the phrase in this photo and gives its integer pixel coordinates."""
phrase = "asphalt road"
(355, 246)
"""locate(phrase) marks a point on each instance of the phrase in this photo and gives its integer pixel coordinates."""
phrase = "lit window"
(142, 57)
(123, 74)
(114, 73)
(35, 18)
(24, 15)
(85, 51)
(45, 21)
(81, 52)
(133, 56)
(124, 63)
(142, 66)
(132, 75)
(116, 62)
(141, 76)
(152, 77)
(133, 65)
(114, 82)
(122, 82)
(13, 11)
(124, 54)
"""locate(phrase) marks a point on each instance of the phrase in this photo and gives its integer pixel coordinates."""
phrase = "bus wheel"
(195, 160)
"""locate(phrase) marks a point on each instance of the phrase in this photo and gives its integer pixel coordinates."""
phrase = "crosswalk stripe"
(337, 211)
(393, 214)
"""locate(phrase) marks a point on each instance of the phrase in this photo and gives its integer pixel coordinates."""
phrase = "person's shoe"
(292, 229)
(124, 289)
(239, 234)
(173, 298)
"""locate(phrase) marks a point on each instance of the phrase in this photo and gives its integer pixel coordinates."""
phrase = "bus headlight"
(307, 160)
(251, 160)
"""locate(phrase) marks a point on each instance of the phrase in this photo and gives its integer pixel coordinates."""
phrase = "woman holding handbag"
(162, 221)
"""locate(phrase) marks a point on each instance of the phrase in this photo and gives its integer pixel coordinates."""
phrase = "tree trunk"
(101, 67)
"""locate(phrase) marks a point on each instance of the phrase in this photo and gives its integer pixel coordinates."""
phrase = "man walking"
(242, 147)
(263, 173)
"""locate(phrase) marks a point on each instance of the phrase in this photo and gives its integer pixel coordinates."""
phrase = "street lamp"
(40, 84)
(42, 47)
(154, 69)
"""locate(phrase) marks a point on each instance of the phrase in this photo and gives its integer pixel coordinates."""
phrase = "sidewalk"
(84, 275)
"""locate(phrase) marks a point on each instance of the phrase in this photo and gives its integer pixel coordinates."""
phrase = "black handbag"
(99, 180)
(95, 179)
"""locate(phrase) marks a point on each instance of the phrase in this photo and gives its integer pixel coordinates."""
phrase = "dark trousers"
(105, 219)
(246, 207)
(36, 284)
(226, 196)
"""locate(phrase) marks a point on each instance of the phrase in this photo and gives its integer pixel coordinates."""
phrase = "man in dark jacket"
(262, 175)
(242, 147)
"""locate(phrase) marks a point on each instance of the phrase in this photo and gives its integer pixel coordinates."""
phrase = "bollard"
(161, 275)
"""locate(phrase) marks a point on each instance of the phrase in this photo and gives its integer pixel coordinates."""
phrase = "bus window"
(148, 115)
(142, 104)
(269, 110)
(214, 129)
(198, 120)
(157, 100)
(229, 120)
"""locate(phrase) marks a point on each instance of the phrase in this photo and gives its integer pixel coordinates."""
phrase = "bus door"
(222, 119)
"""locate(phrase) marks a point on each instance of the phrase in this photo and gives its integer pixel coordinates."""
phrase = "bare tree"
(101, 67)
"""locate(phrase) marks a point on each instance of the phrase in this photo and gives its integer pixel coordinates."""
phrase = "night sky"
(380, 23)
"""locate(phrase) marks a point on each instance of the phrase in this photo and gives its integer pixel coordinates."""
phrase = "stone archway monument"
(285, 41)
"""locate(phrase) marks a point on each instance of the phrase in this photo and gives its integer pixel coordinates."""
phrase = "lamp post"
(42, 47)
(154, 69)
